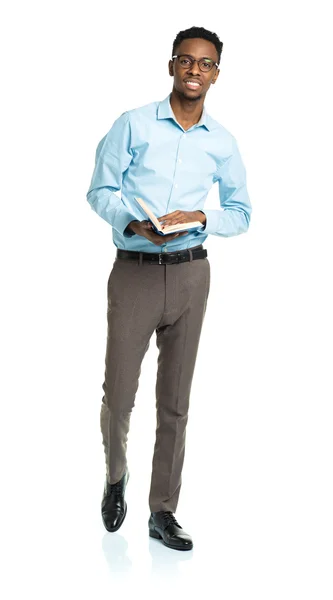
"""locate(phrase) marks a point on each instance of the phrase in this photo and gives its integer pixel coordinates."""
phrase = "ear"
(216, 76)
(171, 68)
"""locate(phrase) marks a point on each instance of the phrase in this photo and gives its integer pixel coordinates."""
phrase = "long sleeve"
(113, 156)
(234, 199)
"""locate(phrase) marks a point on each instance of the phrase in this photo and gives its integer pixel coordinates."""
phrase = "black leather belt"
(164, 258)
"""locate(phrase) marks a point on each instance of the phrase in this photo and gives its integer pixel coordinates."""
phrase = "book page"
(150, 214)
(168, 228)
(181, 226)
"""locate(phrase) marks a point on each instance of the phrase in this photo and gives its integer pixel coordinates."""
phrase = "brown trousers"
(143, 298)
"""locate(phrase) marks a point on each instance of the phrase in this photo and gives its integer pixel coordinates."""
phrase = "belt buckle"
(177, 257)
(166, 259)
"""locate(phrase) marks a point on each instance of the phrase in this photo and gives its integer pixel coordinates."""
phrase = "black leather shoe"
(114, 507)
(163, 525)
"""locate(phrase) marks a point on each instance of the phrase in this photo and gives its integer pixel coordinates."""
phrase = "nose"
(194, 68)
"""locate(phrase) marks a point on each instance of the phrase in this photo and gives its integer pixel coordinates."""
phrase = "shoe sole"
(157, 536)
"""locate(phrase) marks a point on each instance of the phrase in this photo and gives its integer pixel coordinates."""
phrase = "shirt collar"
(165, 111)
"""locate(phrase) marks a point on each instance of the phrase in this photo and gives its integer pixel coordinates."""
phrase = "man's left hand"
(182, 216)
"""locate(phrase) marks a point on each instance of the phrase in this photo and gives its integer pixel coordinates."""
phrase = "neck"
(186, 110)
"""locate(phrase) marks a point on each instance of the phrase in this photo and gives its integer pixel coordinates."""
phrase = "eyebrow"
(207, 57)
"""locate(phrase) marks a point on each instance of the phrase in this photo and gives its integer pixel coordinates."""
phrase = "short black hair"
(198, 32)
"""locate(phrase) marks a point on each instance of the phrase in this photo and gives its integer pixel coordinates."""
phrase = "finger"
(147, 224)
(172, 214)
(180, 234)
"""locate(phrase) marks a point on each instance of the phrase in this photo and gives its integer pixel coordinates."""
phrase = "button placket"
(179, 161)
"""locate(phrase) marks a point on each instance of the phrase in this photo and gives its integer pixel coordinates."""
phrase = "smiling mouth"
(192, 85)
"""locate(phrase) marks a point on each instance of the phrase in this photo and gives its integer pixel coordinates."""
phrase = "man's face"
(196, 48)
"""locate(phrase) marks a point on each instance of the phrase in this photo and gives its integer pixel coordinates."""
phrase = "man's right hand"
(145, 229)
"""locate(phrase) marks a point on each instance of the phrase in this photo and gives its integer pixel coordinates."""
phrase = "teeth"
(192, 83)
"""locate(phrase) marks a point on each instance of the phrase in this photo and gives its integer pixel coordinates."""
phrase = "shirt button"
(176, 185)
(179, 160)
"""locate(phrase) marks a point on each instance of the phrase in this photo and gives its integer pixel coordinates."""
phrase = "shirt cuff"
(129, 233)
(212, 220)
(121, 220)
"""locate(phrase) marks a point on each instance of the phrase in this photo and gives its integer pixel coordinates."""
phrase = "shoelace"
(116, 489)
(169, 518)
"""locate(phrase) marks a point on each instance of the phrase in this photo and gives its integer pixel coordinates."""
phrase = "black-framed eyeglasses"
(186, 61)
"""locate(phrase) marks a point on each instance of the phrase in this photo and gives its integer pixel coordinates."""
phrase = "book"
(157, 227)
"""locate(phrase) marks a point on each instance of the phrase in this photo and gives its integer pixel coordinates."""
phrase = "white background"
(257, 479)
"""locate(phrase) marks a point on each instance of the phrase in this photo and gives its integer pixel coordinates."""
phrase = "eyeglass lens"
(187, 61)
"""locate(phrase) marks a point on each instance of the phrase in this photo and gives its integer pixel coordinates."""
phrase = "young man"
(169, 153)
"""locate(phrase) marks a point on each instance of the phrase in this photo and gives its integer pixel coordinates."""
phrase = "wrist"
(129, 229)
(201, 217)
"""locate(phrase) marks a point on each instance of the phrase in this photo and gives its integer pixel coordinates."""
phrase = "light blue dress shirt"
(148, 154)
